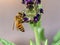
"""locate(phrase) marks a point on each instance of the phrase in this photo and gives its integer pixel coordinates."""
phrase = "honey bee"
(18, 19)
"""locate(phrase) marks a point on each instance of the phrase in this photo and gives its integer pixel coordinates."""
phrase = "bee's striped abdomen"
(20, 27)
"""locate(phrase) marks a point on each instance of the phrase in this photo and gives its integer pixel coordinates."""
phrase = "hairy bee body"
(19, 26)
(18, 22)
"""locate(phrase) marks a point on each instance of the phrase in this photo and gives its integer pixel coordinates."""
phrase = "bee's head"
(20, 14)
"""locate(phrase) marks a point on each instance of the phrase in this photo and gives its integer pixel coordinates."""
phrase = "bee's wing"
(13, 25)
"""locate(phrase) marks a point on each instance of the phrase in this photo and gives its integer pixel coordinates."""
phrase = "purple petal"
(38, 1)
(25, 19)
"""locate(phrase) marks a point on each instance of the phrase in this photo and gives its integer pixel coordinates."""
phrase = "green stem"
(46, 42)
(36, 36)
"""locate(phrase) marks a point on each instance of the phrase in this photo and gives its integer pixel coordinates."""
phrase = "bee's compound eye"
(19, 13)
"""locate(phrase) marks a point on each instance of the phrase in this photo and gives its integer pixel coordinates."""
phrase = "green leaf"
(41, 34)
(5, 42)
(56, 39)
(31, 43)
